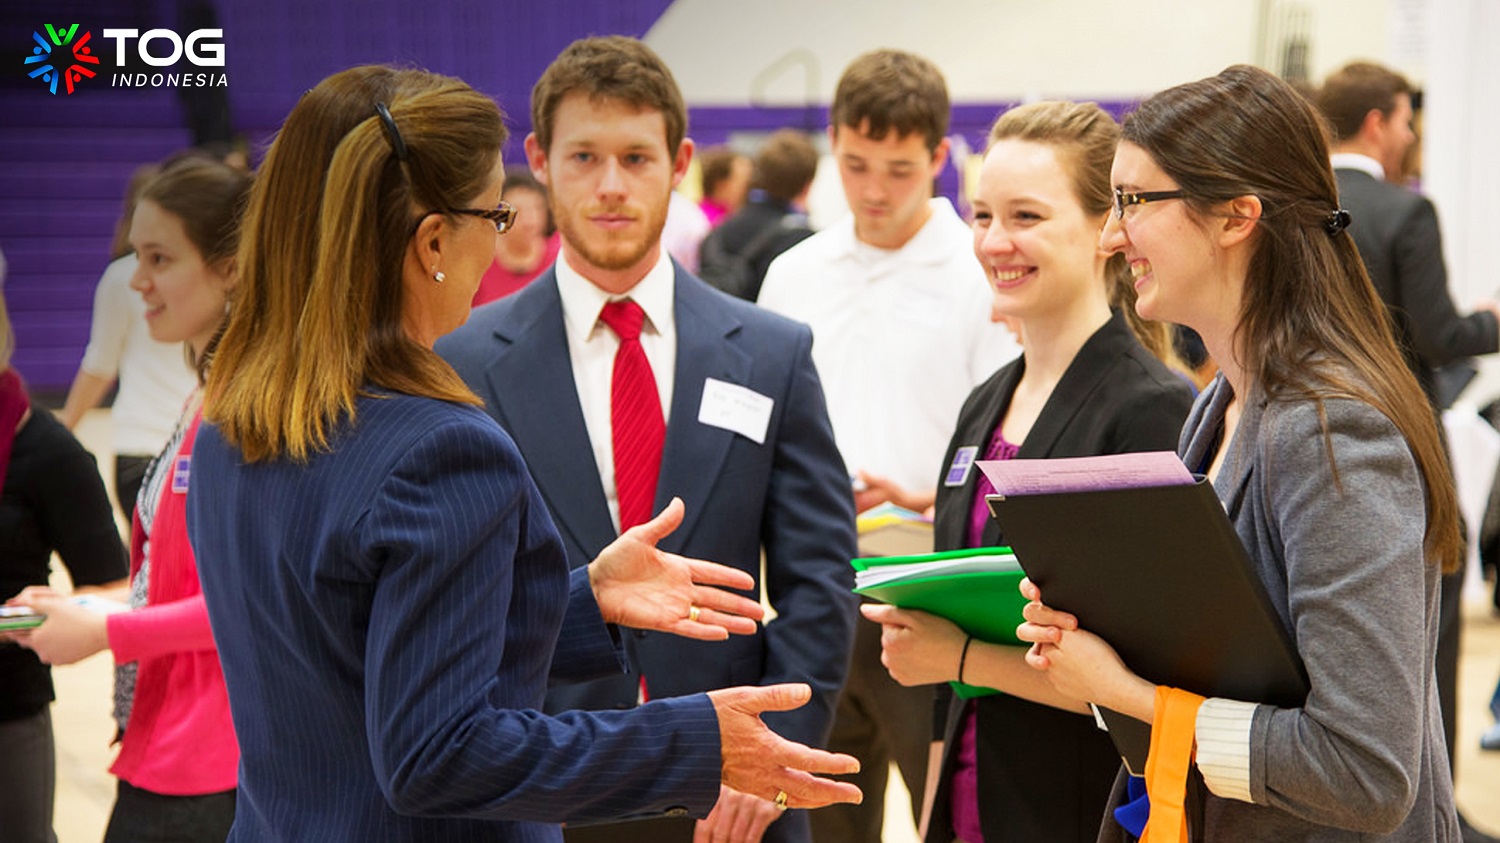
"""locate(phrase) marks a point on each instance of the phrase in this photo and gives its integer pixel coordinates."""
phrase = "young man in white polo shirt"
(901, 317)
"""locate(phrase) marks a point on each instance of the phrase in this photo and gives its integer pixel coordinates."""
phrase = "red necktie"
(636, 423)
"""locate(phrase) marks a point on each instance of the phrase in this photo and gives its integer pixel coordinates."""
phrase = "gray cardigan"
(1333, 519)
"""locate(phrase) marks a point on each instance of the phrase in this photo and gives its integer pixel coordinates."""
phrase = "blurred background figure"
(687, 226)
(1369, 108)
(154, 378)
(736, 254)
(528, 246)
(177, 763)
(51, 499)
(726, 182)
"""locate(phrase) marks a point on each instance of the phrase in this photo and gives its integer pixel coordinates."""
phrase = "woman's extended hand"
(916, 647)
(639, 586)
(761, 763)
(1079, 663)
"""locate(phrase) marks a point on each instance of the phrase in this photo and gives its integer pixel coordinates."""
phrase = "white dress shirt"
(900, 338)
(1356, 161)
(592, 346)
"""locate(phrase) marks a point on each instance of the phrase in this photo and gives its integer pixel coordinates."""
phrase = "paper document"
(1084, 474)
(881, 574)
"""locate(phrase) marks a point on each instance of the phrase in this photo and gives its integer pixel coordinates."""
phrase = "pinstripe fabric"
(386, 616)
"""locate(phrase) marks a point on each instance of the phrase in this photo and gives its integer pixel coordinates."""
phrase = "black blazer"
(1044, 773)
(1396, 231)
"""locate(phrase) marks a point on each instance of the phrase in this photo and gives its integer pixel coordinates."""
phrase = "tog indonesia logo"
(72, 63)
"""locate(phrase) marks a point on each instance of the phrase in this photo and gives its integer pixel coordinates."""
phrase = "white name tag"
(736, 408)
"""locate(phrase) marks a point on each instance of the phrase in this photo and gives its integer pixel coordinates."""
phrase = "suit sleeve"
(1352, 553)
(468, 587)
(587, 647)
(1439, 333)
(808, 533)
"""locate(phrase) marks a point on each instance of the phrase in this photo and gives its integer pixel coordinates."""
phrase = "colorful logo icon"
(73, 63)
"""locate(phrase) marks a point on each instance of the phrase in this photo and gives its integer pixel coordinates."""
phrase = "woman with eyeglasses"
(1029, 763)
(1327, 458)
(388, 592)
(178, 756)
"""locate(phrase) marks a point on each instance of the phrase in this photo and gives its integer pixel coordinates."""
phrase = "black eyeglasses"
(1124, 200)
(503, 217)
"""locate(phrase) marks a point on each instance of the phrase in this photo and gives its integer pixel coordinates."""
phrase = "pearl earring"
(439, 276)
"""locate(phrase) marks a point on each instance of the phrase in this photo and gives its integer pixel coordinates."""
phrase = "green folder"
(985, 604)
(19, 617)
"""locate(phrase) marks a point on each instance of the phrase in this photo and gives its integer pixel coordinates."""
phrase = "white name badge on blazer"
(736, 408)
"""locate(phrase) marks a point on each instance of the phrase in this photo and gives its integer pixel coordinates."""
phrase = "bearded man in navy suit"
(737, 426)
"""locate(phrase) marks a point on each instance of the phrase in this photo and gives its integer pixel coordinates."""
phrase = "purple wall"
(64, 160)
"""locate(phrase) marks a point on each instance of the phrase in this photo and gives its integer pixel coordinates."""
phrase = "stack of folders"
(979, 590)
(890, 530)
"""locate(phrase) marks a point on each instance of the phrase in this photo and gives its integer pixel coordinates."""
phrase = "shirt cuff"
(1223, 735)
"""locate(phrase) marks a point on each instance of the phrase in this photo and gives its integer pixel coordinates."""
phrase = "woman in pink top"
(529, 246)
(178, 756)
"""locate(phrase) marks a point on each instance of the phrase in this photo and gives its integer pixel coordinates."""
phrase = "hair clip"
(392, 133)
(1336, 221)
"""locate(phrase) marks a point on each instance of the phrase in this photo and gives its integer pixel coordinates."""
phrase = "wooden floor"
(85, 790)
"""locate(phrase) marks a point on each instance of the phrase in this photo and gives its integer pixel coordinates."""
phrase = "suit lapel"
(1089, 368)
(975, 431)
(1093, 363)
(1234, 475)
(536, 400)
(694, 453)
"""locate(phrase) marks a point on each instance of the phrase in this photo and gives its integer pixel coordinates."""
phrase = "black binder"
(1161, 575)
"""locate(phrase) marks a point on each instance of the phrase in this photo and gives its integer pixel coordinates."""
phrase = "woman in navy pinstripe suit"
(388, 592)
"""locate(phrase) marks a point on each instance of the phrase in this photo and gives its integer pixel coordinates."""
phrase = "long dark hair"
(1311, 325)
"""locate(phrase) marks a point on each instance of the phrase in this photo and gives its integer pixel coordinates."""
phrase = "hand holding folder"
(1155, 570)
(978, 590)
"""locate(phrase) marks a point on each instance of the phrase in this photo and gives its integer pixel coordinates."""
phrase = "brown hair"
(207, 197)
(785, 164)
(1085, 137)
(610, 68)
(717, 163)
(119, 243)
(890, 90)
(1353, 91)
(1311, 325)
(321, 297)
(518, 177)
